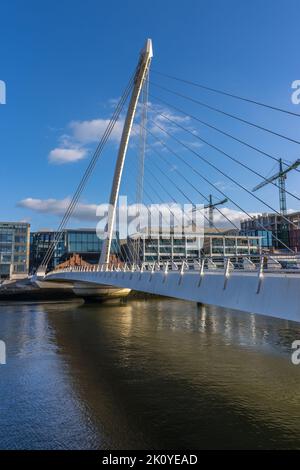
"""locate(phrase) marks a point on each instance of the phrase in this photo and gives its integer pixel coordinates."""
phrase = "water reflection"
(148, 374)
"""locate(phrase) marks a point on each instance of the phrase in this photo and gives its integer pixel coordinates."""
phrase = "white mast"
(140, 76)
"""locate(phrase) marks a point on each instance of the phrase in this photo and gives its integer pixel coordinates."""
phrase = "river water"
(148, 374)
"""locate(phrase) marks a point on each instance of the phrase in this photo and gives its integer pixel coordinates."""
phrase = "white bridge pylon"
(139, 79)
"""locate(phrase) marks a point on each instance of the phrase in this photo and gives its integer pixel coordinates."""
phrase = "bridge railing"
(260, 263)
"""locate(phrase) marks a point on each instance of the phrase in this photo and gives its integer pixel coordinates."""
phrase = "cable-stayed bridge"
(185, 146)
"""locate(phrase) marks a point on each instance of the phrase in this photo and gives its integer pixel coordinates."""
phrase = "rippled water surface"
(148, 374)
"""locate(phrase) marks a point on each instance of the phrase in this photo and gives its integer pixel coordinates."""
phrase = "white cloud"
(66, 155)
(73, 143)
(234, 215)
(88, 211)
(58, 207)
(91, 131)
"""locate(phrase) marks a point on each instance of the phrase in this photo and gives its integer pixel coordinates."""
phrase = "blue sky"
(64, 64)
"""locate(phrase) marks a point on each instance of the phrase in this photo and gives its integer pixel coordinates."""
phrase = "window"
(19, 239)
(193, 252)
(179, 241)
(165, 241)
(19, 259)
(6, 248)
(20, 249)
(179, 249)
(20, 268)
(165, 249)
(217, 242)
(4, 269)
(6, 237)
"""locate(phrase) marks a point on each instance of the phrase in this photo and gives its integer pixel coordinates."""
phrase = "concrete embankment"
(24, 290)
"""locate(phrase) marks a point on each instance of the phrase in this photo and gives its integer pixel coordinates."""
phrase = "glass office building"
(273, 227)
(39, 244)
(84, 242)
(14, 250)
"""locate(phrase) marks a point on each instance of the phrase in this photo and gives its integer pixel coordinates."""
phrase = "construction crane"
(211, 206)
(281, 177)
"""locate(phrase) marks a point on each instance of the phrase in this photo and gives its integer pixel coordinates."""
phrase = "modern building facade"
(232, 246)
(161, 248)
(39, 244)
(14, 250)
(294, 231)
(84, 242)
(273, 224)
(264, 235)
(276, 232)
(189, 246)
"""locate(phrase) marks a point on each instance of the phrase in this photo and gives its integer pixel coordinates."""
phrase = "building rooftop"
(27, 224)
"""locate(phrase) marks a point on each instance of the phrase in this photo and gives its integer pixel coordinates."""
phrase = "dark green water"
(149, 374)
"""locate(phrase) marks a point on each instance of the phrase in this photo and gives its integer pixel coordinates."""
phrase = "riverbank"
(24, 290)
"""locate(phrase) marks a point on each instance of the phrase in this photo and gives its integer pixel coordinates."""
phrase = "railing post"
(201, 271)
(228, 265)
(181, 272)
(124, 270)
(260, 274)
(166, 269)
(141, 271)
(152, 271)
(174, 266)
(132, 271)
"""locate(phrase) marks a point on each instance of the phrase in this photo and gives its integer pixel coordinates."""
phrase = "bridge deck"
(274, 294)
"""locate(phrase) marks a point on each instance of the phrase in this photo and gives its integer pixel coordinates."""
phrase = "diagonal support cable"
(221, 192)
(225, 113)
(88, 171)
(225, 93)
(235, 160)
